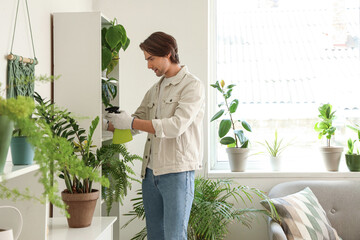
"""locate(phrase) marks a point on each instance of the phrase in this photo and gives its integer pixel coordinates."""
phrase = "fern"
(115, 161)
(212, 209)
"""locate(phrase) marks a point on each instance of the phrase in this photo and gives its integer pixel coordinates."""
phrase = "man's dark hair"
(161, 44)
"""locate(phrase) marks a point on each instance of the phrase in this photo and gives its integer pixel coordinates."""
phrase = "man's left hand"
(120, 120)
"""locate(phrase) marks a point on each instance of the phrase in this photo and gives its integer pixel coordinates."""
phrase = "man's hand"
(120, 120)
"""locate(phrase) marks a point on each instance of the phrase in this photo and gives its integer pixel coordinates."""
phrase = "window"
(286, 59)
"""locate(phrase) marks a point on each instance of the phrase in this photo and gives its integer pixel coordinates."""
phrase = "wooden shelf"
(13, 171)
(100, 229)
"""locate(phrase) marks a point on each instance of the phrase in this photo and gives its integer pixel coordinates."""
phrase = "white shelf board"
(59, 229)
(13, 171)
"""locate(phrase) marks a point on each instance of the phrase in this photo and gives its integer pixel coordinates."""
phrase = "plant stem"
(67, 181)
(232, 122)
(328, 142)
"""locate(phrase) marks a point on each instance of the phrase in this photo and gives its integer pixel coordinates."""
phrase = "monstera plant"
(113, 39)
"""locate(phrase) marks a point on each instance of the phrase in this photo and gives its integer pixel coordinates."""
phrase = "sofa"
(340, 200)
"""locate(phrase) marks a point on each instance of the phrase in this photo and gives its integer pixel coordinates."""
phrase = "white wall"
(40, 13)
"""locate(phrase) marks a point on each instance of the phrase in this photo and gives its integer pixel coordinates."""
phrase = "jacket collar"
(177, 78)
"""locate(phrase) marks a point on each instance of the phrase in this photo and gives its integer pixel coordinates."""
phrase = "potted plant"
(54, 154)
(213, 209)
(237, 143)
(275, 149)
(113, 39)
(11, 110)
(331, 154)
(113, 159)
(50, 150)
(353, 159)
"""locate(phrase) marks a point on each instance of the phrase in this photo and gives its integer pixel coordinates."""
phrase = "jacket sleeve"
(191, 102)
(141, 112)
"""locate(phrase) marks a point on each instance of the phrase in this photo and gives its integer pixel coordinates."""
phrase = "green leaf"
(328, 111)
(228, 93)
(224, 127)
(227, 140)
(106, 57)
(246, 126)
(231, 86)
(233, 105)
(113, 63)
(217, 115)
(216, 85)
(127, 43)
(122, 32)
(245, 144)
(232, 145)
(113, 36)
(241, 136)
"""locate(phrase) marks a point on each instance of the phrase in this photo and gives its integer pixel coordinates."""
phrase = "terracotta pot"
(331, 156)
(81, 208)
(237, 158)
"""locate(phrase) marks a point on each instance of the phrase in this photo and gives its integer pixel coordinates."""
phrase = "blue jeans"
(167, 201)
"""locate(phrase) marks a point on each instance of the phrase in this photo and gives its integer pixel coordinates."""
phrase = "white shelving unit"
(34, 213)
(12, 171)
(77, 59)
(100, 229)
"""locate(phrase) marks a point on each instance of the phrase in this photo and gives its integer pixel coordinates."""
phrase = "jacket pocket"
(169, 106)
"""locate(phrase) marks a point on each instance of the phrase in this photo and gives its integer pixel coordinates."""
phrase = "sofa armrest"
(275, 231)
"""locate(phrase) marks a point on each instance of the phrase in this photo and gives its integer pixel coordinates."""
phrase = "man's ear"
(169, 55)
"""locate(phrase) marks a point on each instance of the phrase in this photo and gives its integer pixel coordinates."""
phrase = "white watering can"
(10, 223)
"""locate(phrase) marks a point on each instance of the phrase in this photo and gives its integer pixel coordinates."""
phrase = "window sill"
(281, 174)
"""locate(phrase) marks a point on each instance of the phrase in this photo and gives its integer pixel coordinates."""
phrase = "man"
(171, 112)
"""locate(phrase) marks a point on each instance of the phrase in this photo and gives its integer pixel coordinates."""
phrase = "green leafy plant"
(115, 167)
(52, 153)
(109, 90)
(113, 39)
(227, 109)
(351, 143)
(276, 147)
(213, 209)
(325, 127)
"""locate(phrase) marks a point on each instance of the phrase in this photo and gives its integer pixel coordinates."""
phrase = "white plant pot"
(331, 156)
(237, 158)
(275, 163)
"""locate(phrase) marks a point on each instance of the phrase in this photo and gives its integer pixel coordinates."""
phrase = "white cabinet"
(77, 60)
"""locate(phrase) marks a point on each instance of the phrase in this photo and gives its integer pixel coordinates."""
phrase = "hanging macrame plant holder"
(21, 70)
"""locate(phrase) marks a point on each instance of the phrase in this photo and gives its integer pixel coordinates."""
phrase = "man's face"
(160, 65)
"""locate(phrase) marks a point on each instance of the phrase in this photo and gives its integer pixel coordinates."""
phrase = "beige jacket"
(178, 143)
